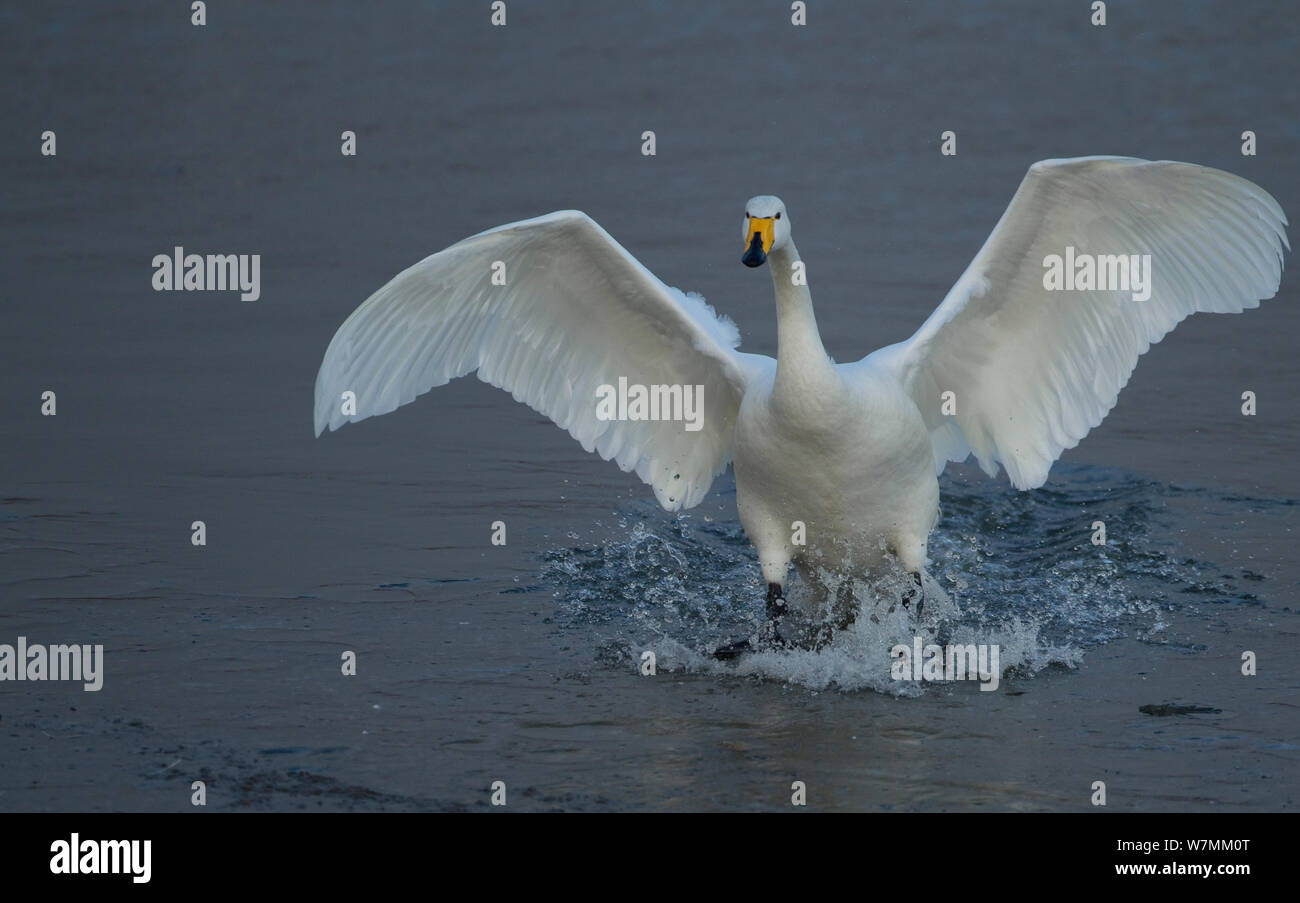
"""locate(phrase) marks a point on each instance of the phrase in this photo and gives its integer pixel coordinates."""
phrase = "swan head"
(767, 226)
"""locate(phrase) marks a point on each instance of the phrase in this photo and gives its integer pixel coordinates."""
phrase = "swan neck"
(801, 357)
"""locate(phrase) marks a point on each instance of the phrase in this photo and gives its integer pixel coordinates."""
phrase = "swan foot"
(771, 632)
(847, 605)
(769, 635)
(916, 595)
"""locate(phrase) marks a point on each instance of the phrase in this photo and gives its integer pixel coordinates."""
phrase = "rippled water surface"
(522, 663)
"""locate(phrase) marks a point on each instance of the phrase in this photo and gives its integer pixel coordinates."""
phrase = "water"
(1016, 570)
(520, 663)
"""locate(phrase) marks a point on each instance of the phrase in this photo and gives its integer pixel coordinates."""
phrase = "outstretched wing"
(1034, 370)
(576, 312)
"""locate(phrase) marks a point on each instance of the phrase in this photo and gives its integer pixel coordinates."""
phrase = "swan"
(836, 464)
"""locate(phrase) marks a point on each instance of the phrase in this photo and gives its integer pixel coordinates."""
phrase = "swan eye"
(778, 214)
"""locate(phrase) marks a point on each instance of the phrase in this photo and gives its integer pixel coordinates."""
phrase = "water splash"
(1014, 569)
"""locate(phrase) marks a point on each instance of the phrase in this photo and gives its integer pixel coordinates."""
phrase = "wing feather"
(1034, 370)
(577, 311)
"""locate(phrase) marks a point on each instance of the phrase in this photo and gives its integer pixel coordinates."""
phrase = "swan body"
(844, 452)
(552, 309)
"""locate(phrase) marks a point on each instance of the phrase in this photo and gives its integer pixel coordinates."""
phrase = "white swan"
(853, 451)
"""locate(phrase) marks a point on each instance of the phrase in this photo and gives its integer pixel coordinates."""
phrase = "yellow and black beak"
(762, 232)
